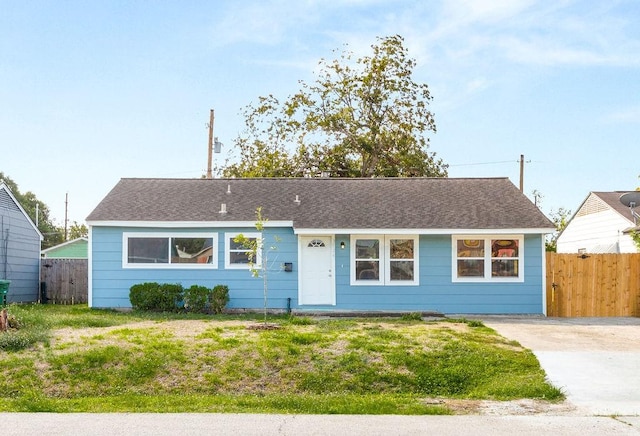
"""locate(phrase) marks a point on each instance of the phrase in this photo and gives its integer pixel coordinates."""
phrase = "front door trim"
(303, 285)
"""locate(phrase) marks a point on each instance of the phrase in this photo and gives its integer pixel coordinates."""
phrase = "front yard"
(74, 359)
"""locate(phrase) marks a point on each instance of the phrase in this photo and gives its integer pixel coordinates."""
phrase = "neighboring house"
(64, 272)
(20, 242)
(403, 244)
(74, 249)
(602, 224)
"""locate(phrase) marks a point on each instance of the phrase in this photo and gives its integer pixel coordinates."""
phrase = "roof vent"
(223, 209)
(297, 200)
(229, 189)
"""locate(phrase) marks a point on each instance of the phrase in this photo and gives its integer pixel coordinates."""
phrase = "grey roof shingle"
(327, 203)
(612, 198)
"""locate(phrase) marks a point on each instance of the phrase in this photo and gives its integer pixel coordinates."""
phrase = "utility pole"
(66, 221)
(522, 173)
(210, 158)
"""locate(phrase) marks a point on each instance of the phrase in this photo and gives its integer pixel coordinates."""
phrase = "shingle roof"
(327, 203)
(613, 201)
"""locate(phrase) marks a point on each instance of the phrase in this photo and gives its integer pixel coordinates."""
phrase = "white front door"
(316, 273)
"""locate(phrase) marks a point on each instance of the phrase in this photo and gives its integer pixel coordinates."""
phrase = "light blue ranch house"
(446, 245)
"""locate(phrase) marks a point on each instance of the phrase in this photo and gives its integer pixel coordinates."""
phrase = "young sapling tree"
(258, 254)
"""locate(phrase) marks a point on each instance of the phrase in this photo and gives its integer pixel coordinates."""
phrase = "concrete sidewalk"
(118, 424)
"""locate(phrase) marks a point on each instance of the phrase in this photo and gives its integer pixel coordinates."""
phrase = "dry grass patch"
(346, 358)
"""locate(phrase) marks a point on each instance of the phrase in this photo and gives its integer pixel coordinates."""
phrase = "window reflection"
(470, 268)
(191, 250)
(471, 248)
(367, 249)
(367, 270)
(504, 248)
(141, 250)
(401, 269)
(367, 259)
(148, 250)
(239, 253)
(487, 257)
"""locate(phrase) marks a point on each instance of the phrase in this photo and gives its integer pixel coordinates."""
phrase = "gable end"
(10, 203)
(6, 202)
(592, 205)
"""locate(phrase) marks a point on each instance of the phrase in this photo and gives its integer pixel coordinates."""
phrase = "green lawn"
(74, 359)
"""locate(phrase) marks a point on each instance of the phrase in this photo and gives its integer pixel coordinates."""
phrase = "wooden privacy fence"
(65, 281)
(599, 285)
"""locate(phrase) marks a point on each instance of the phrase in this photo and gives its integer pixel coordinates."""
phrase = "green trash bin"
(4, 288)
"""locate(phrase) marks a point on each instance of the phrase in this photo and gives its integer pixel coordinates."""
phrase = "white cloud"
(274, 22)
(478, 84)
(551, 52)
(535, 33)
(455, 42)
(255, 22)
(630, 115)
(460, 12)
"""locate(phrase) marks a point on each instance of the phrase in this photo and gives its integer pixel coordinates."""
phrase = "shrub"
(143, 295)
(197, 298)
(16, 340)
(20, 334)
(300, 320)
(154, 296)
(171, 295)
(219, 298)
(13, 322)
(474, 323)
(413, 316)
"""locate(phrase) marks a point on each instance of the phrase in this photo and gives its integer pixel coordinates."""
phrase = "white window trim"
(169, 235)
(352, 261)
(488, 278)
(227, 250)
(416, 261)
(385, 261)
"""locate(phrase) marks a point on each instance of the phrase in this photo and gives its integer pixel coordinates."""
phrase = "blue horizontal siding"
(111, 283)
(435, 292)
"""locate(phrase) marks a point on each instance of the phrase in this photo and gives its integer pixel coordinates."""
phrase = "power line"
(521, 161)
(483, 163)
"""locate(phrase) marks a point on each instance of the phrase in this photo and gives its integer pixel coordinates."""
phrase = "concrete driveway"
(596, 361)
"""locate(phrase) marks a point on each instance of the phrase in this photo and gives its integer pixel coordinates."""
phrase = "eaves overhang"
(187, 224)
(360, 231)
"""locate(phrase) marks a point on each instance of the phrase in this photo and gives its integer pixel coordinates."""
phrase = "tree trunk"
(4, 324)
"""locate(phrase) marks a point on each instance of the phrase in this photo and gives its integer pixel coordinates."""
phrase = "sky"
(94, 91)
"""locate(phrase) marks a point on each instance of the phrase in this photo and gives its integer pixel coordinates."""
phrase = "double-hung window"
(168, 250)
(402, 259)
(240, 255)
(487, 258)
(384, 260)
(367, 260)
